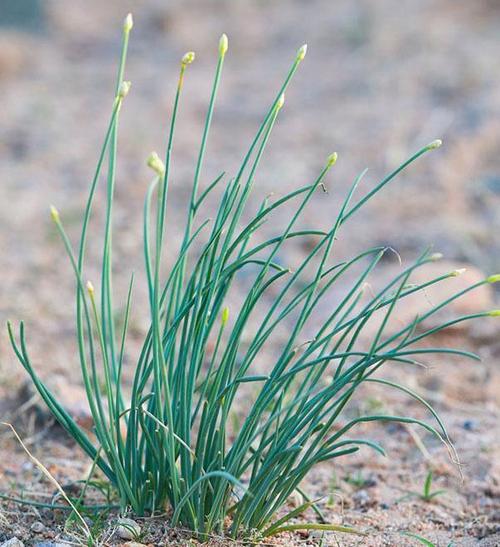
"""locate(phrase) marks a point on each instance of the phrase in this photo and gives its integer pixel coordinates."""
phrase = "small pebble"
(128, 529)
(296, 499)
(18, 531)
(370, 482)
(37, 527)
(469, 425)
(13, 542)
(361, 498)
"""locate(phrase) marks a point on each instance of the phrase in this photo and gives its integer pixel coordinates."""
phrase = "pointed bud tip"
(302, 52)
(281, 101)
(188, 58)
(124, 89)
(128, 23)
(225, 315)
(434, 144)
(493, 278)
(332, 159)
(54, 213)
(90, 288)
(456, 273)
(156, 164)
(223, 45)
(494, 313)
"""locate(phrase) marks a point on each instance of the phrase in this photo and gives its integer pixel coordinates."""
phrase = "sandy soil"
(380, 80)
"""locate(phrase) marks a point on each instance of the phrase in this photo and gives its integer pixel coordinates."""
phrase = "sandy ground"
(380, 80)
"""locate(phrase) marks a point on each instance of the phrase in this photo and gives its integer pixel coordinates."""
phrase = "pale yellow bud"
(54, 213)
(494, 313)
(456, 273)
(302, 52)
(223, 45)
(225, 316)
(124, 89)
(434, 144)
(156, 164)
(90, 288)
(128, 23)
(188, 58)
(281, 102)
(331, 160)
(436, 256)
(493, 278)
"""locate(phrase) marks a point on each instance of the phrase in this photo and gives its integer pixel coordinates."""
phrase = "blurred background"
(380, 80)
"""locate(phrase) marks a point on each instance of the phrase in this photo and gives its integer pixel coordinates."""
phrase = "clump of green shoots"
(427, 494)
(167, 443)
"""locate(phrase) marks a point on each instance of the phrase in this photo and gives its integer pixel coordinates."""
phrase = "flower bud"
(434, 144)
(124, 89)
(456, 273)
(225, 316)
(493, 278)
(223, 45)
(54, 213)
(331, 160)
(90, 288)
(494, 313)
(188, 58)
(302, 52)
(281, 102)
(156, 164)
(436, 256)
(128, 23)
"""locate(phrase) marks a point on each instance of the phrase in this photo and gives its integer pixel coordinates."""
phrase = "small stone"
(469, 425)
(296, 499)
(13, 542)
(362, 499)
(37, 527)
(19, 532)
(370, 482)
(128, 529)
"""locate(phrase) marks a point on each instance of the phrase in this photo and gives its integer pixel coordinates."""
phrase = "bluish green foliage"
(427, 494)
(167, 443)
